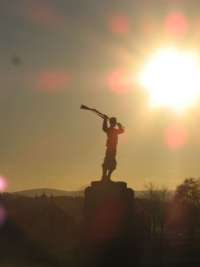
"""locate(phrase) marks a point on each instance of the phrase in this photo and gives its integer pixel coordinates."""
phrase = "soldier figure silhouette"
(109, 164)
(112, 131)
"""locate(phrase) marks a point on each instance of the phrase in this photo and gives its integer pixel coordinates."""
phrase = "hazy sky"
(57, 55)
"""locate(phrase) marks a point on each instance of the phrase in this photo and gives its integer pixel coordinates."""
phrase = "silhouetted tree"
(189, 191)
(187, 196)
(156, 207)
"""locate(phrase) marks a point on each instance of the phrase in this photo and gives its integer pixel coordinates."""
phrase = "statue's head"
(113, 122)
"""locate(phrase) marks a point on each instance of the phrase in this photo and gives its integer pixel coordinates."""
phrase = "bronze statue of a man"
(112, 131)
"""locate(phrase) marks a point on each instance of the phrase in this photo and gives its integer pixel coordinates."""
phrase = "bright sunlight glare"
(172, 79)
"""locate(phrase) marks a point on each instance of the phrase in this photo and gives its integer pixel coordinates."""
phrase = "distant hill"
(57, 192)
(49, 192)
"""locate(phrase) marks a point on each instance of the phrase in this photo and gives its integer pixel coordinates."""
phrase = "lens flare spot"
(53, 81)
(3, 184)
(120, 81)
(176, 137)
(119, 24)
(176, 24)
(107, 222)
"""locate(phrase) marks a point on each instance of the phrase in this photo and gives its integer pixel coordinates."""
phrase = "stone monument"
(109, 210)
(109, 224)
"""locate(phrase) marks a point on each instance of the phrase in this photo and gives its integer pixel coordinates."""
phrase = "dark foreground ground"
(48, 232)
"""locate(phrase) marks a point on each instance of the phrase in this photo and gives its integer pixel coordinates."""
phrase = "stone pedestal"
(109, 224)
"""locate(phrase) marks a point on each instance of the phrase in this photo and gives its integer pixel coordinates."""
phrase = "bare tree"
(156, 203)
(187, 196)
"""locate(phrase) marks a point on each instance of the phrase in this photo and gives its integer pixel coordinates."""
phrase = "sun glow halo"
(172, 79)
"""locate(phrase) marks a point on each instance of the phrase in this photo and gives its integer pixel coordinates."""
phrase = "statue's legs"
(104, 172)
(109, 165)
(109, 174)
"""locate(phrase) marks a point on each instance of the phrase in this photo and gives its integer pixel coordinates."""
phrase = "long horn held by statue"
(85, 107)
(93, 110)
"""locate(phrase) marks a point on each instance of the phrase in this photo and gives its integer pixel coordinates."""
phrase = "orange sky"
(57, 55)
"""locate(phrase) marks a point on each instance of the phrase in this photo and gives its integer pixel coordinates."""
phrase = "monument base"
(109, 223)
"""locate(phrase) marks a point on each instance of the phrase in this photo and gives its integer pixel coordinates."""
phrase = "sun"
(172, 79)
